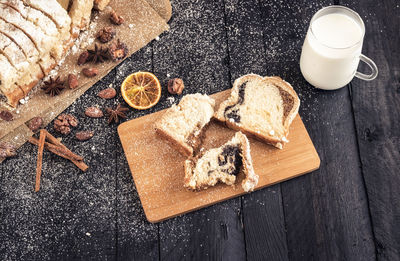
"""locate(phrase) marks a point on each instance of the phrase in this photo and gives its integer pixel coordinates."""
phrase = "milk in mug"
(332, 49)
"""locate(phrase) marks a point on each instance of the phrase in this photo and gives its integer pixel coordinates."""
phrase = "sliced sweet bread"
(222, 164)
(45, 44)
(263, 107)
(80, 13)
(8, 77)
(26, 72)
(27, 46)
(182, 124)
(54, 11)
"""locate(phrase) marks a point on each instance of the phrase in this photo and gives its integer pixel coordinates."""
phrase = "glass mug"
(332, 49)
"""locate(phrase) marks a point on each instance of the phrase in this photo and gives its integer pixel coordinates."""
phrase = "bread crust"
(248, 183)
(182, 148)
(276, 142)
(251, 178)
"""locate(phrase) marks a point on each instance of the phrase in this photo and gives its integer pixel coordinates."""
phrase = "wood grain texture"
(195, 50)
(376, 106)
(326, 214)
(157, 168)
(247, 54)
(73, 214)
(137, 239)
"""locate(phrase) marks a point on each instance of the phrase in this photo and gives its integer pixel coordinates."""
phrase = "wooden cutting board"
(157, 169)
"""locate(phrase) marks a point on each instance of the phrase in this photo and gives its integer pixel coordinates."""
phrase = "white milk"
(331, 51)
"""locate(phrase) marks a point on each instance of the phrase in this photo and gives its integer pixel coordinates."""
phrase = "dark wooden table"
(349, 209)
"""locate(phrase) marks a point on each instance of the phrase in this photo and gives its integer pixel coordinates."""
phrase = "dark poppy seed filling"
(230, 111)
(231, 155)
(234, 115)
(288, 103)
(242, 87)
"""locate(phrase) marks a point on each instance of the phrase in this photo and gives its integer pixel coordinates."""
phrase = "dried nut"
(94, 112)
(108, 93)
(84, 135)
(63, 123)
(90, 72)
(6, 115)
(175, 86)
(83, 58)
(106, 34)
(116, 19)
(35, 124)
(7, 150)
(72, 81)
(117, 50)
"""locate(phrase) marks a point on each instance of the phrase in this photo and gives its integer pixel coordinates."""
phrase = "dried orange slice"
(141, 90)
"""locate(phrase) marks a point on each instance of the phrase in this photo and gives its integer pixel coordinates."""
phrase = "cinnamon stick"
(41, 141)
(58, 151)
(80, 164)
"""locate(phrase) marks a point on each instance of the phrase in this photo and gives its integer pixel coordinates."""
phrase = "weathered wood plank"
(326, 214)
(195, 50)
(262, 211)
(73, 214)
(137, 239)
(376, 108)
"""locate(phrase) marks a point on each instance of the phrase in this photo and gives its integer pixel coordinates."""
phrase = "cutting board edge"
(154, 220)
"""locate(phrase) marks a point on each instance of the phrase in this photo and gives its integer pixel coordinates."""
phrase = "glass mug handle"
(372, 65)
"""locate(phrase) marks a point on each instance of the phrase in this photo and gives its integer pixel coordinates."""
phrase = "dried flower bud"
(118, 50)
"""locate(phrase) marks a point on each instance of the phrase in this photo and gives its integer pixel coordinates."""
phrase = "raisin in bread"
(263, 107)
(182, 124)
(222, 164)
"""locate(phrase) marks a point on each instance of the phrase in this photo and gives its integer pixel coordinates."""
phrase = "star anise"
(98, 55)
(115, 114)
(53, 86)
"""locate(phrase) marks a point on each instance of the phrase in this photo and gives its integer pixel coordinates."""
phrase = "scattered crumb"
(171, 100)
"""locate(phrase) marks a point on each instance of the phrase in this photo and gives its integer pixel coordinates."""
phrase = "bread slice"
(8, 77)
(26, 73)
(80, 13)
(21, 39)
(182, 124)
(44, 43)
(54, 11)
(222, 164)
(263, 107)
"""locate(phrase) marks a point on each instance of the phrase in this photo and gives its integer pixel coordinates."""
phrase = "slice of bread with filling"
(263, 107)
(222, 164)
(182, 124)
